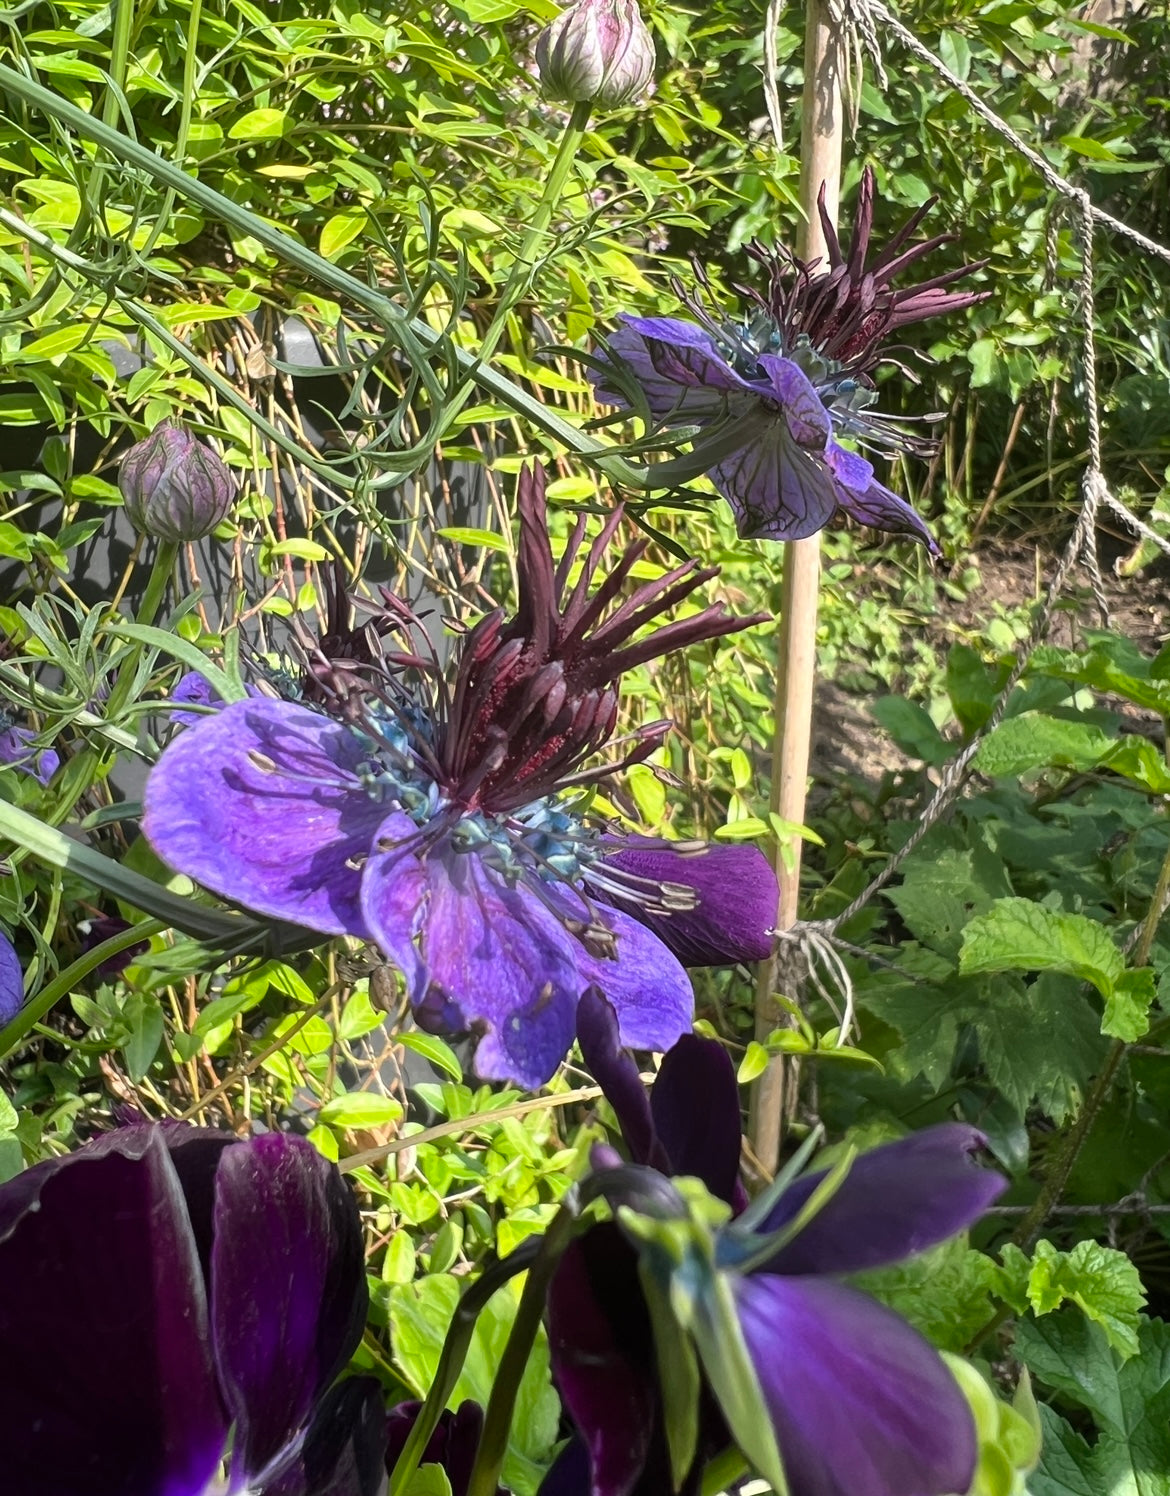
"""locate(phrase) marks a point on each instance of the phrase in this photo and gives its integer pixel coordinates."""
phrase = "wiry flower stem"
(453, 1355)
(497, 1423)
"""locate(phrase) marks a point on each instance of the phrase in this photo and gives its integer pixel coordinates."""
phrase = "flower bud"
(597, 52)
(174, 487)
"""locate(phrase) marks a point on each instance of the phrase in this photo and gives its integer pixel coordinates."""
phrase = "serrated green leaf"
(1101, 1281)
(1034, 740)
(1019, 935)
(1127, 1008)
(1129, 1402)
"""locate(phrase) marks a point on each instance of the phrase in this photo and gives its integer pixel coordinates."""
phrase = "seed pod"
(174, 487)
(597, 52)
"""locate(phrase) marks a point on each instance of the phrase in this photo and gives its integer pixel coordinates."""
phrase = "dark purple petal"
(288, 1289)
(695, 1105)
(453, 1445)
(650, 991)
(681, 372)
(737, 897)
(262, 804)
(862, 1405)
(808, 422)
(344, 1450)
(603, 1356)
(11, 981)
(482, 955)
(869, 502)
(777, 489)
(105, 1368)
(617, 1075)
(569, 1473)
(896, 1200)
(195, 1153)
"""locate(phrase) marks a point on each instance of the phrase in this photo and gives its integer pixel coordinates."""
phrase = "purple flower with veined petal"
(221, 1286)
(860, 1403)
(770, 394)
(11, 981)
(18, 750)
(445, 818)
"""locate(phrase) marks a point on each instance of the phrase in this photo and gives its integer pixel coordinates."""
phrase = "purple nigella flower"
(860, 1403)
(11, 981)
(444, 819)
(769, 395)
(18, 751)
(221, 1286)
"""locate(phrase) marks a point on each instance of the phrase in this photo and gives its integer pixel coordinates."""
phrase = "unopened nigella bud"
(597, 52)
(174, 487)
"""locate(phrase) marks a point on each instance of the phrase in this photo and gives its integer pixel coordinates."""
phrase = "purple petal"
(870, 502)
(808, 422)
(569, 1474)
(194, 689)
(682, 373)
(48, 762)
(737, 897)
(262, 804)
(602, 1356)
(777, 489)
(861, 1403)
(288, 1289)
(695, 1106)
(99, 1259)
(896, 1200)
(344, 1451)
(17, 751)
(195, 1154)
(11, 981)
(650, 991)
(617, 1075)
(453, 1445)
(489, 957)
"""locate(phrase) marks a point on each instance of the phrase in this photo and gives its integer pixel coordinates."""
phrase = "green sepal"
(678, 1367)
(715, 1327)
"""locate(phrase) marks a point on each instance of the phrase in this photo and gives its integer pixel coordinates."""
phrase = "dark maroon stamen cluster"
(847, 311)
(536, 695)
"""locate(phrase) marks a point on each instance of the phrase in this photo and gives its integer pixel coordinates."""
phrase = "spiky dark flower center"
(832, 321)
(496, 758)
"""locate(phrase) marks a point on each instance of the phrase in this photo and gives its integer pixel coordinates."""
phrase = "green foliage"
(1127, 1401)
(1102, 1282)
(421, 1312)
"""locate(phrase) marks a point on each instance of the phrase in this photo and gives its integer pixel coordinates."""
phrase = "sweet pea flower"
(770, 394)
(860, 1404)
(179, 1305)
(442, 816)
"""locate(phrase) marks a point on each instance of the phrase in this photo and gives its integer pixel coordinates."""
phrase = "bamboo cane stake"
(822, 132)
